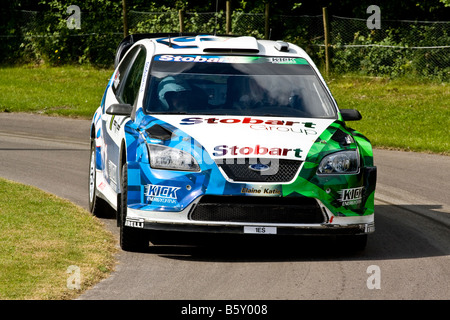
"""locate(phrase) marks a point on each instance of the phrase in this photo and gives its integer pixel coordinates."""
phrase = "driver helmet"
(170, 85)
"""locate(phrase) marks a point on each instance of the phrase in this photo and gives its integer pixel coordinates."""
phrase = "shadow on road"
(400, 234)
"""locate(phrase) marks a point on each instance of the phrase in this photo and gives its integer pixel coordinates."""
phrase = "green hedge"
(43, 37)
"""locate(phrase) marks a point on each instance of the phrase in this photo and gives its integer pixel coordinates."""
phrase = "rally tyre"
(96, 205)
(131, 239)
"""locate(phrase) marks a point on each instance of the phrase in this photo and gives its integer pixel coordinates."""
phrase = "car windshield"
(236, 85)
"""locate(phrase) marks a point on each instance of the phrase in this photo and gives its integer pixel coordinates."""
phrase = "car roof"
(204, 44)
(176, 43)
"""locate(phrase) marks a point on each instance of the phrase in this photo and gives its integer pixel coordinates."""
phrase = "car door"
(124, 90)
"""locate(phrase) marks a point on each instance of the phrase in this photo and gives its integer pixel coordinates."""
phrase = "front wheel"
(96, 205)
(131, 239)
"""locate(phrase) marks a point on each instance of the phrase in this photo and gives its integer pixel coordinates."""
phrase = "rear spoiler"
(131, 39)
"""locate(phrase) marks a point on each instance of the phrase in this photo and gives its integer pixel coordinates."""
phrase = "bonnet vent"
(158, 132)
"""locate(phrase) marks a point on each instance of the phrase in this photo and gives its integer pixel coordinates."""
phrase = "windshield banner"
(229, 59)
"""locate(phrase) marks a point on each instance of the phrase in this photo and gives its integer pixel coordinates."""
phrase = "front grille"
(257, 209)
(279, 170)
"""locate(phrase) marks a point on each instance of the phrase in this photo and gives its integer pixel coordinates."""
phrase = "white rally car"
(218, 134)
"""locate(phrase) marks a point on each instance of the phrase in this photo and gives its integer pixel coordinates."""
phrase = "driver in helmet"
(174, 94)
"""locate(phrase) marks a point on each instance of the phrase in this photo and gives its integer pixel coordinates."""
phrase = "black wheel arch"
(122, 161)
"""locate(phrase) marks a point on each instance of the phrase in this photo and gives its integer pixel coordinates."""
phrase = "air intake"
(257, 209)
(282, 46)
(239, 44)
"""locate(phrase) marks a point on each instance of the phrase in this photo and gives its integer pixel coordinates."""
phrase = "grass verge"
(404, 114)
(45, 240)
(73, 91)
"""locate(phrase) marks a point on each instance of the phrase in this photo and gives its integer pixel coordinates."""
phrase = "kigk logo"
(351, 196)
(156, 191)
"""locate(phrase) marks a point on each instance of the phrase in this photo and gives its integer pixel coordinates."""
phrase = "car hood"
(251, 136)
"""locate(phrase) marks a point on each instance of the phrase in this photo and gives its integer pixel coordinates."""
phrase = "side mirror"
(351, 115)
(120, 109)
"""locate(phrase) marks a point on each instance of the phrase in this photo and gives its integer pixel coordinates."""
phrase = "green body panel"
(359, 189)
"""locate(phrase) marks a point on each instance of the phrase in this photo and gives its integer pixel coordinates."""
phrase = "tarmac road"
(408, 257)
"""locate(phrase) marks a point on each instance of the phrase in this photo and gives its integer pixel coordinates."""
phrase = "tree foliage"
(48, 39)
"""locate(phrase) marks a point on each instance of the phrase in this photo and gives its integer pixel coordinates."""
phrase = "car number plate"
(260, 230)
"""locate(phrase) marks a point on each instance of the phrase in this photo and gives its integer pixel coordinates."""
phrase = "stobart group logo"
(246, 120)
(279, 125)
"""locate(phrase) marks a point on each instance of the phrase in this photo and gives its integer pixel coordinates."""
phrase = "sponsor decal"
(144, 76)
(134, 222)
(112, 169)
(229, 59)
(161, 194)
(111, 122)
(262, 190)
(304, 131)
(302, 127)
(246, 120)
(250, 136)
(116, 79)
(282, 60)
(114, 125)
(351, 196)
(190, 58)
(222, 150)
(102, 186)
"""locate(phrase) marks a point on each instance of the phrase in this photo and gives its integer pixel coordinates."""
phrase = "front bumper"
(183, 222)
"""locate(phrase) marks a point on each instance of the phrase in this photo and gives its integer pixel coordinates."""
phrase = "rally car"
(226, 134)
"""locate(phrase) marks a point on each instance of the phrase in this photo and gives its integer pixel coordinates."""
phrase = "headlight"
(343, 162)
(162, 157)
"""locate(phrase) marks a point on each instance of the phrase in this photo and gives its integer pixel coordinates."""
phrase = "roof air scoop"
(282, 46)
(238, 44)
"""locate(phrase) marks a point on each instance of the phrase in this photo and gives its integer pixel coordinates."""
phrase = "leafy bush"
(163, 19)
(392, 55)
(45, 37)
